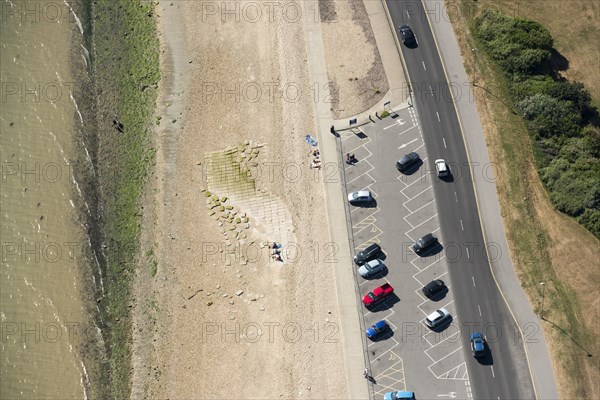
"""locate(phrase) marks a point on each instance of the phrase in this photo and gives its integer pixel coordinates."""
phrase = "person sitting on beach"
(316, 164)
(315, 153)
(277, 257)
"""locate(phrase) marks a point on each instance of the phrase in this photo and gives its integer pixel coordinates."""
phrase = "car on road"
(406, 162)
(371, 268)
(377, 295)
(360, 197)
(442, 168)
(402, 395)
(378, 329)
(433, 288)
(367, 254)
(425, 243)
(407, 35)
(437, 317)
(478, 344)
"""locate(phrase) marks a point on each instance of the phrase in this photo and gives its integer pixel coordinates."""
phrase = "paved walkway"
(489, 209)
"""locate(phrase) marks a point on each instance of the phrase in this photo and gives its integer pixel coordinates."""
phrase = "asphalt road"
(480, 306)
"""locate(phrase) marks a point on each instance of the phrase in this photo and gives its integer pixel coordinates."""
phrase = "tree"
(547, 116)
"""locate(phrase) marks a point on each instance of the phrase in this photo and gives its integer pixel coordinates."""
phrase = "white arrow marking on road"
(451, 395)
(406, 144)
(400, 122)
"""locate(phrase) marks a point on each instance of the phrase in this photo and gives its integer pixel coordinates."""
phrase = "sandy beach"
(221, 316)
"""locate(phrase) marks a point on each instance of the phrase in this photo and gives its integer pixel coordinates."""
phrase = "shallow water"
(41, 308)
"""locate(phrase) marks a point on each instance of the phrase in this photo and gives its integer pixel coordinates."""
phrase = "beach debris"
(209, 303)
(239, 292)
(192, 296)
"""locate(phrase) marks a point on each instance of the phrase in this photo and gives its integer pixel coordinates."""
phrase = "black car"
(433, 288)
(367, 254)
(407, 35)
(425, 243)
(406, 162)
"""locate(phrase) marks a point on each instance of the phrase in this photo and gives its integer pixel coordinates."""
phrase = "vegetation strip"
(124, 53)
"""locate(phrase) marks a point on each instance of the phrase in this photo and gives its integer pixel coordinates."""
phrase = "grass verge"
(125, 72)
(546, 246)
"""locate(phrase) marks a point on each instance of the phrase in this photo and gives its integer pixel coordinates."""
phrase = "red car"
(377, 295)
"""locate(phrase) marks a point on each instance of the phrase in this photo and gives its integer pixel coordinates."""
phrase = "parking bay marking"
(406, 144)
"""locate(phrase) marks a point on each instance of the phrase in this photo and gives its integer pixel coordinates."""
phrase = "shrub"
(547, 116)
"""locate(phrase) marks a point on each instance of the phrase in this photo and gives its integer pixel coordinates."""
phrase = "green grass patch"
(125, 66)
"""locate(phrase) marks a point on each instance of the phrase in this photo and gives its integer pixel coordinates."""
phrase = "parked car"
(406, 162)
(425, 243)
(377, 295)
(407, 35)
(437, 317)
(478, 344)
(377, 329)
(433, 288)
(402, 395)
(370, 268)
(442, 168)
(367, 254)
(360, 197)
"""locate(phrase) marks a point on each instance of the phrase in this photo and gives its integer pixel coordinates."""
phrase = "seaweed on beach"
(124, 73)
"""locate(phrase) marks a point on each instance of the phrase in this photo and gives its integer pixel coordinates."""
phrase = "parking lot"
(412, 357)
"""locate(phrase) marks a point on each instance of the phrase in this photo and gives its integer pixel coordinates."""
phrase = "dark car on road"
(367, 254)
(407, 35)
(408, 161)
(425, 243)
(433, 288)
(478, 345)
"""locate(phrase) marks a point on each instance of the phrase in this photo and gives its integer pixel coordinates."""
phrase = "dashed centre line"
(473, 278)
(461, 225)
(479, 307)
(425, 68)
(468, 256)
(444, 139)
(438, 115)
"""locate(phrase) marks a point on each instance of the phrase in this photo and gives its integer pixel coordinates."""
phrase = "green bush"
(567, 147)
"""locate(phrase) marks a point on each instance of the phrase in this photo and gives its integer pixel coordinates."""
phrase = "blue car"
(377, 329)
(478, 344)
(399, 396)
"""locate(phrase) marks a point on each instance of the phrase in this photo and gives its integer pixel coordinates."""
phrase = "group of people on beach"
(276, 252)
(316, 161)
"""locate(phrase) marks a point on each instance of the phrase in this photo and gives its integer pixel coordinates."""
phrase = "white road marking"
(468, 256)
(406, 144)
(406, 130)
(438, 115)
(479, 307)
(456, 197)
(430, 90)
(473, 280)
(424, 67)
(494, 375)
(461, 225)
(444, 139)
(407, 14)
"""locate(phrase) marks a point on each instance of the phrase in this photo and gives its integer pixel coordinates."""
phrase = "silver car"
(372, 267)
(437, 317)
